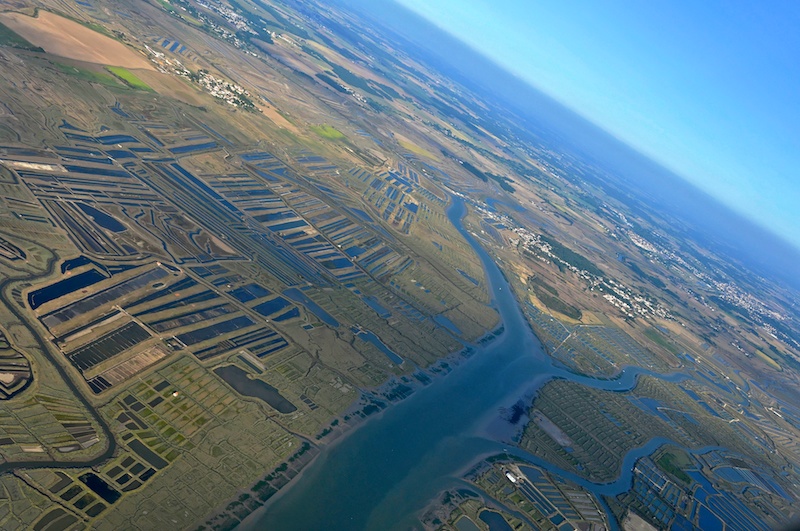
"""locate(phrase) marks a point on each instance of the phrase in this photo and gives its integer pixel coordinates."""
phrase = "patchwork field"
(225, 242)
(66, 38)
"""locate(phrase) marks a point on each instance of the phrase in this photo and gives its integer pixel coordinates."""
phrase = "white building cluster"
(615, 293)
(231, 93)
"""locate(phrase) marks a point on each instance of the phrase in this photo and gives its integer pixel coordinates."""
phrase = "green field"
(8, 37)
(549, 297)
(166, 5)
(129, 78)
(327, 131)
(88, 75)
(673, 464)
(417, 150)
(654, 336)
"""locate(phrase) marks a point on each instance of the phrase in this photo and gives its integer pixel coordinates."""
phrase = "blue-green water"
(386, 471)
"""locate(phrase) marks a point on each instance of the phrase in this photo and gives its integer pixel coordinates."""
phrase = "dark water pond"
(368, 336)
(495, 521)
(239, 380)
(298, 296)
(101, 218)
(63, 287)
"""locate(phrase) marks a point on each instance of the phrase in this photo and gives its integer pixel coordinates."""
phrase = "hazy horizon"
(707, 90)
(767, 248)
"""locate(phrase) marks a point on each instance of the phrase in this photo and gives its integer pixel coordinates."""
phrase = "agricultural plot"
(587, 416)
(177, 142)
(587, 425)
(59, 321)
(129, 78)
(266, 165)
(558, 501)
(312, 163)
(311, 228)
(262, 343)
(605, 349)
(703, 496)
(328, 131)
(10, 38)
(550, 331)
(106, 208)
(190, 315)
(195, 302)
(155, 306)
(416, 339)
(452, 300)
(126, 369)
(10, 252)
(171, 45)
(45, 422)
(223, 278)
(464, 512)
(15, 370)
(107, 346)
(175, 425)
(594, 350)
(67, 38)
(543, 499)
(390, 193)
(265, 246)
(316, 231)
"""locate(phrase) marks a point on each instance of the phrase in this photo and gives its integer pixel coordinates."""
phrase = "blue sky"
(710, 89)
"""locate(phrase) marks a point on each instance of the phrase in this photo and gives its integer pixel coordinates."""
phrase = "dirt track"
(66, 38)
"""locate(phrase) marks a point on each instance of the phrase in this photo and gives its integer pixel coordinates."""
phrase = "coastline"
(381, 398)
(368, 399)
(387, 392)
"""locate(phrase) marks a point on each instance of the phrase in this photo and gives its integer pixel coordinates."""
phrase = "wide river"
(383, 473)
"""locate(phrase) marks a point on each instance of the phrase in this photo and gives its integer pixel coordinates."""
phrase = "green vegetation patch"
(256, 23)
(312, 52)
(472, 169)
(730, 308)
(417, 150)
(671, 464)
(166, 6)
(557, 305)
(328, 80)
(769, 360)
(501, 180)
(549, 297)
(129, 78)
(368, 86)
(287, 25)
(654, 280)
(328, 131)
(539, 285)
(571, 257)
(88, 75)
(788, 359)
(9, 37)
(656, 337)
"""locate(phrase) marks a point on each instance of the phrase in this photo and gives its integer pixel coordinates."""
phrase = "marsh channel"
(387, 470)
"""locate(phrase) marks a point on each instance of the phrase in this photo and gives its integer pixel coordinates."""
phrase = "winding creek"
(383, 473)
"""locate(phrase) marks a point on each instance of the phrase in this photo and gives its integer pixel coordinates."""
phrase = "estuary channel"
(387, 470)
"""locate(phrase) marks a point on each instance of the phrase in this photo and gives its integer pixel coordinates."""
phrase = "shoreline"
(345, 427)
(376, 402)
